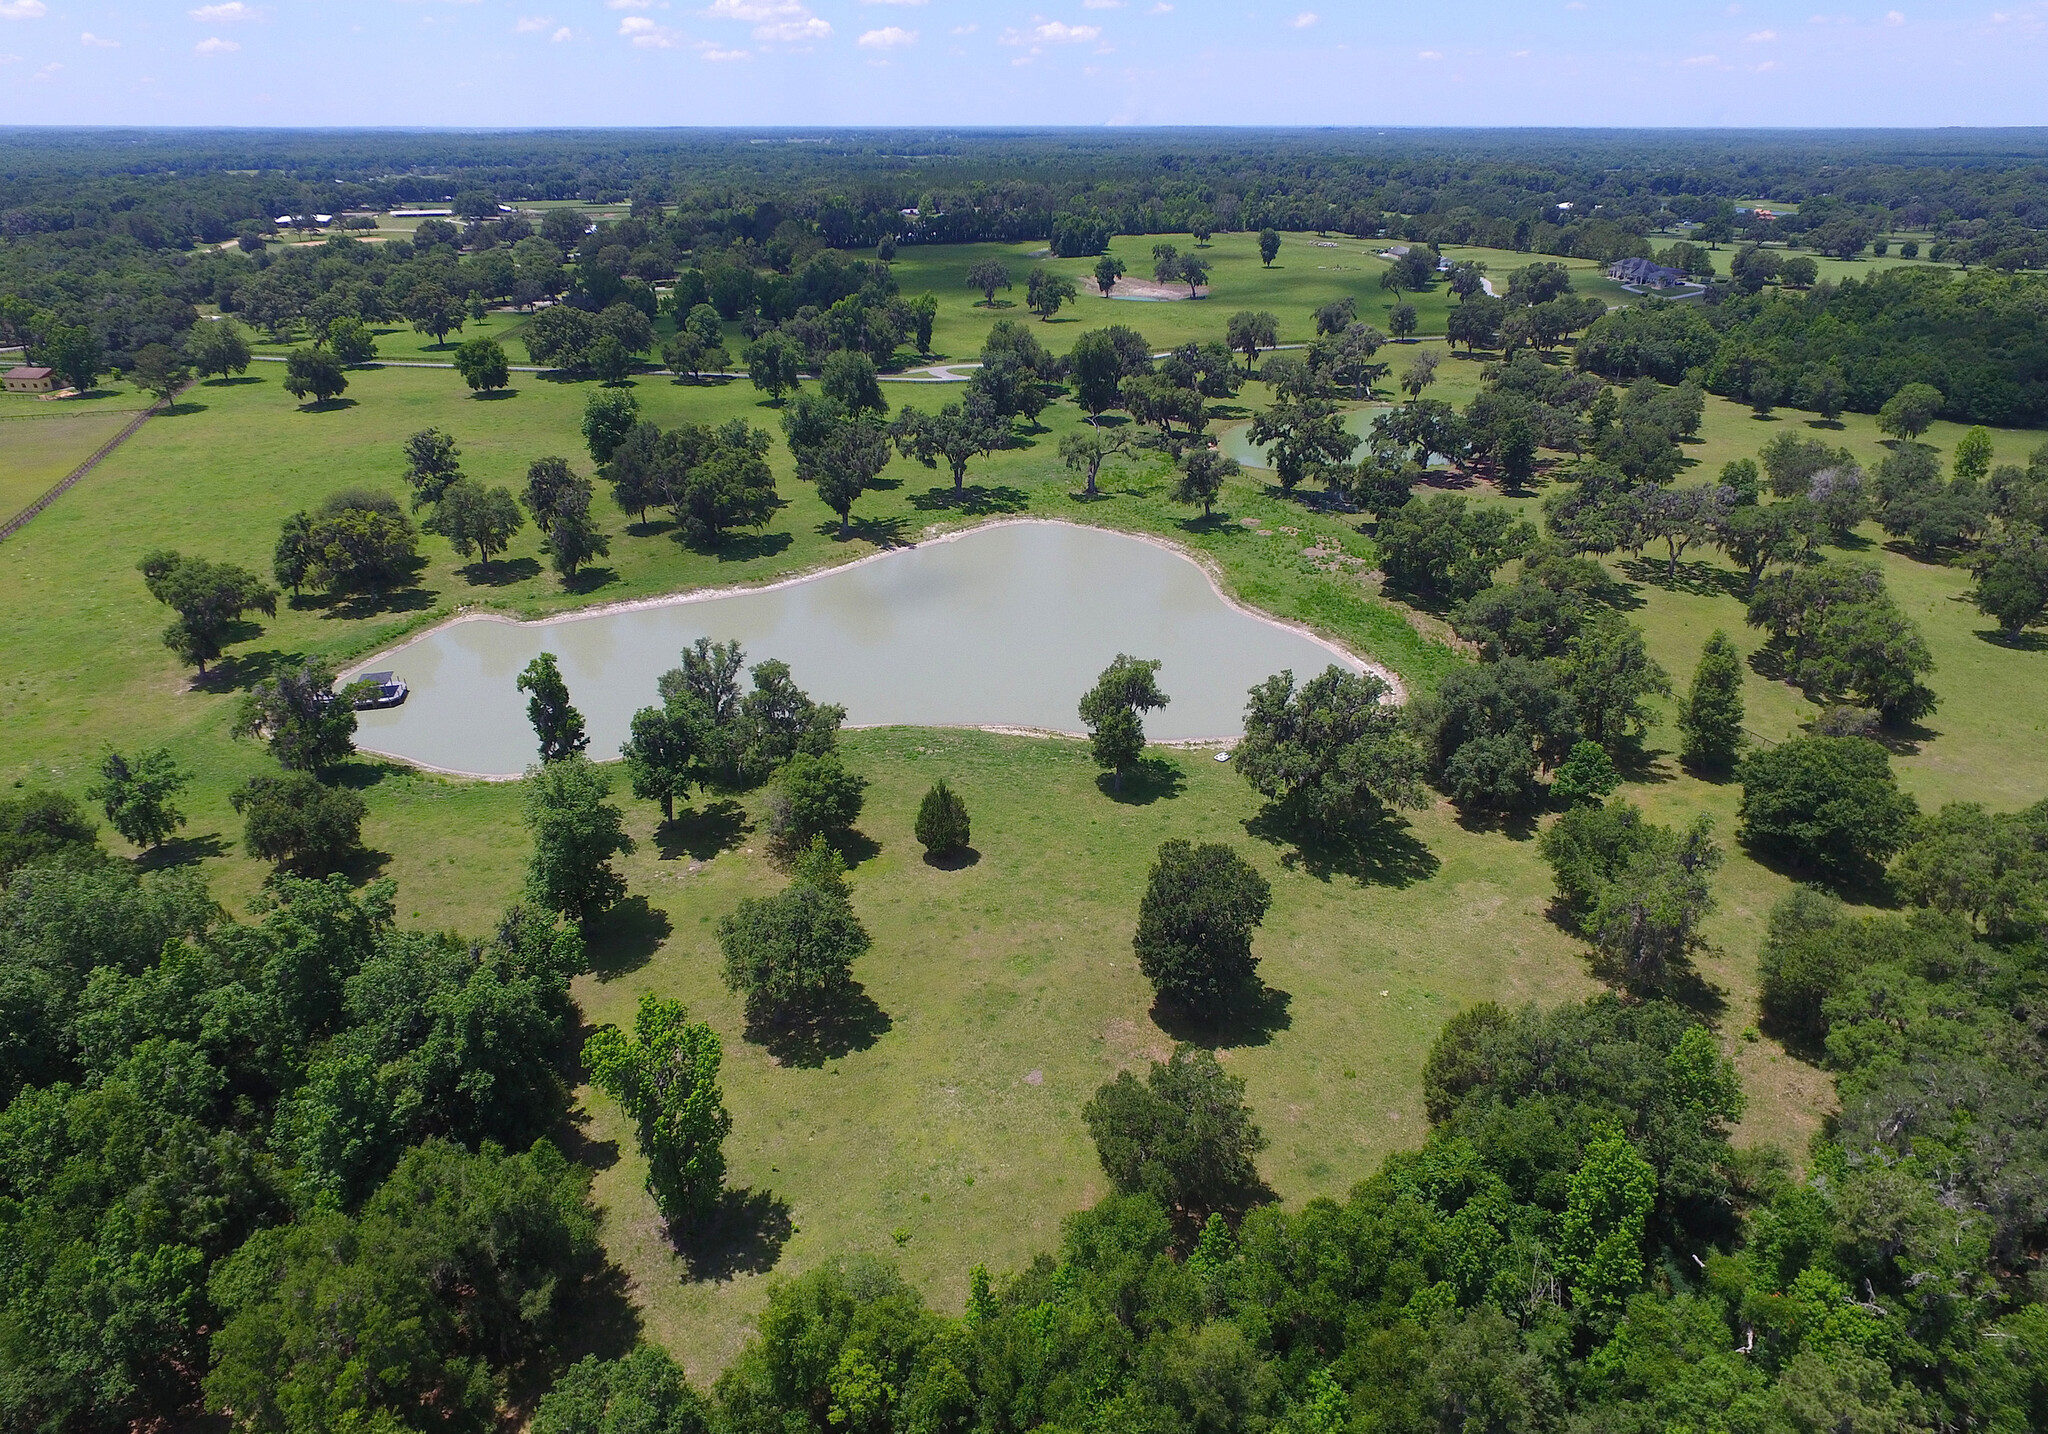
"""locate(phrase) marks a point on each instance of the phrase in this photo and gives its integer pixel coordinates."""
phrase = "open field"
(981, 980)
(42, 441)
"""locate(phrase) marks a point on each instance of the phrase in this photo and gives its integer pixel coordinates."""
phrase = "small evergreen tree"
(1711, 716)
(666, 1076)
(942, 827)
(1194, 937)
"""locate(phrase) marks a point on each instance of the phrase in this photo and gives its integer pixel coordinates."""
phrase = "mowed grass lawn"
(981, 976)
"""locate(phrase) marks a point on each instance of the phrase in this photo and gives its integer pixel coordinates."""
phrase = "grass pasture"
(42, 441)
(1018, 964)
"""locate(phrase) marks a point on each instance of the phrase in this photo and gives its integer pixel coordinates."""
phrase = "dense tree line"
(212, 1128)
(1977, 338)
(120, 240)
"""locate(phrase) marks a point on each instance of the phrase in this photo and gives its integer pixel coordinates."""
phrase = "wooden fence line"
(20, 520)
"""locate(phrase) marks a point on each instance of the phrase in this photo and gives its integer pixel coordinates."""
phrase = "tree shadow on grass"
(882, 532)
(953, 860)
(183, 410)
(1152, 779)
(327, 405)
(363, 773)
(1644, 765)
(625, 938)
(855, 1026)
(1868, 887)
(500, 572)
(651, 528)
(2025, 642)
(236, 382)
(746, 547)
(181, 851)
(589, 580)
(1385, 852)
(239, 671)
(1696, 578)
(1515, 824)
(363, 865)
(743, 1235)
(701, 833)
(975, 500)
(1254, 1018)
(495, 395)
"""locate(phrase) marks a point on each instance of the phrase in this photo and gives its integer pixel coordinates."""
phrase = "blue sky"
(1135, 62)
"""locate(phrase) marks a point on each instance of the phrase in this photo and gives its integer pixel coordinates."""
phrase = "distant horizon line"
(991, 128)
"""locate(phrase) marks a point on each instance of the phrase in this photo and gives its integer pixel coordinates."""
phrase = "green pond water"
(1006, 625)
(1237, 442)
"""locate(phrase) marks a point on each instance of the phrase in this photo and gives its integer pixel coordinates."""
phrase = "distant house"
(28, 379)
(1646, 272)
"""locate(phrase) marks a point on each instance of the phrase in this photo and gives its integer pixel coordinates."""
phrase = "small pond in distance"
(1005, 625)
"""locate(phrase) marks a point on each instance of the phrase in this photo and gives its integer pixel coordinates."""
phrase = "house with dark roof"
(1646, 272)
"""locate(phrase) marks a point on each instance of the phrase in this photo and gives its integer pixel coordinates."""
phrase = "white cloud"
(1430, 55)
(1893, 17)
(889, 37)
(1102, 4)
(1766, 65)
(1576, 5)
(1305, 19)
(892, 2)
(10, 59)
(713, 53)
(1761, 36)
(23, 10)
(752, 10)
(532, 24)
(565, 33)
(647, 35)
(1701, 60)
(48, 71)
(215, 45)
(793, 32)
(629, 4)
(1054, 32)
(965, 29)
(226, 14)
(98, 42)
(1162, 8)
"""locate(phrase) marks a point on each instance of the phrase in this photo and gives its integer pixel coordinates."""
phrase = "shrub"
(298, 824)
(942, 826)
(1184, 1136)
(1828, 805)
(1194, 937)
(814, 796)
(790, 956)
(41, 826)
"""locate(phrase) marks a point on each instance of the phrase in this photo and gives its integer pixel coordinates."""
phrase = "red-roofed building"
(29, 379)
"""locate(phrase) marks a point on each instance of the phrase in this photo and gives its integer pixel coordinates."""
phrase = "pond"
(1003, 626)
(1237, 442)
